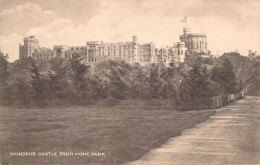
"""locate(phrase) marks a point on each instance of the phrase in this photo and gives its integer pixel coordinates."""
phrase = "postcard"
(133, 82)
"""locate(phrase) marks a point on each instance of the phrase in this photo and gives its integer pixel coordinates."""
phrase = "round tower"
(186, 30)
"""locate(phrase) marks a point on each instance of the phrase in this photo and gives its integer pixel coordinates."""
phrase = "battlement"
(180, 43)
(94, 42)
(30, 38)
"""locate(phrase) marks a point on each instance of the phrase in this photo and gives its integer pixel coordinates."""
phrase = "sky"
(230, 25)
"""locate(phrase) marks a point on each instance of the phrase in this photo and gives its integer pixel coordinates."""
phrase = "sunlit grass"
(122, 133)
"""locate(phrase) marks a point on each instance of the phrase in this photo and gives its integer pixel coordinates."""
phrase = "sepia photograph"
(129, 82)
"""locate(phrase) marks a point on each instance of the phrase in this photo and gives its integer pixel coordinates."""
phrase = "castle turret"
(135, 48)
(181, 51)
(31, 44)
(251, 54)
(135, 39)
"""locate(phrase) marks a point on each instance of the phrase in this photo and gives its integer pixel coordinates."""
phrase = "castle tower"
(135, 39)
(181, 51)
(251, 54)
(135, 48)
(194, 42)
(31, 44)
(186, 30)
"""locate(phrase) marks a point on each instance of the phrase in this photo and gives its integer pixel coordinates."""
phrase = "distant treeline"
(70, 82)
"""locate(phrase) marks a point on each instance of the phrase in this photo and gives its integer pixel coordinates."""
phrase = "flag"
(184, 20)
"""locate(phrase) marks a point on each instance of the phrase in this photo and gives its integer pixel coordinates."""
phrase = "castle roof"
(193, 35)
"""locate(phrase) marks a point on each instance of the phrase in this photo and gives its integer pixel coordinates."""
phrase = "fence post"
(217, 101)
(220, 99)
(232, 97)
(213, 102)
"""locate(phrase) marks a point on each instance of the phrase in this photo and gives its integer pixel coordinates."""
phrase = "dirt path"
(231, 136)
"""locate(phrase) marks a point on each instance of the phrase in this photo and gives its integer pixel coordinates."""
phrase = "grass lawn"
(123, 133)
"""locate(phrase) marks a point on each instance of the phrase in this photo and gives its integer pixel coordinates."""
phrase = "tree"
(99, 87)
(4, 73)
(58, 82)
(172, 82)
(154, 82)
(119, 79)
(21, 90)
(244, 69)
(256, 75)
(78, 71)
(225, 76)
(137, 81)
(39, 84)
(198, 82)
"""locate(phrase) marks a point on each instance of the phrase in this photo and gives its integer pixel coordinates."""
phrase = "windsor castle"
(131, 52)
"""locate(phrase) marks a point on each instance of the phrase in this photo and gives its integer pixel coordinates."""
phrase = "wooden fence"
(219, 101)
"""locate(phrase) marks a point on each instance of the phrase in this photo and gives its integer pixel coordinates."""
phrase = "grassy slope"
(122, 133)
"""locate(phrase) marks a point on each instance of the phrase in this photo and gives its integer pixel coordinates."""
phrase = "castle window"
(114, 52)
(108, 53)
